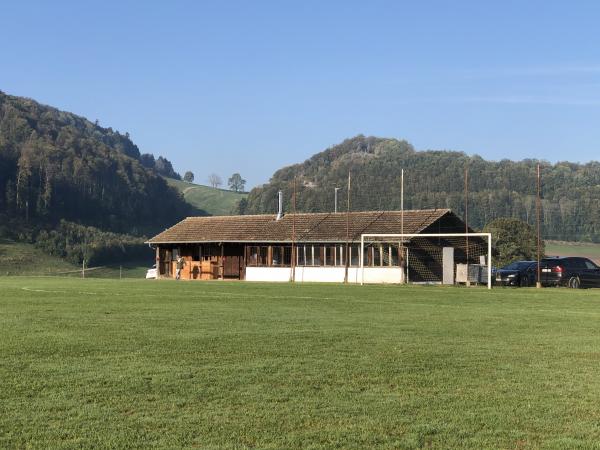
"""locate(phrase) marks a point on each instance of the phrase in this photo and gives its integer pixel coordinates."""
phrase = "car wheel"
(574, 283)
(524, 281)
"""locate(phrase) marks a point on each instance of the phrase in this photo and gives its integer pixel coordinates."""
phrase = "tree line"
(436, 179)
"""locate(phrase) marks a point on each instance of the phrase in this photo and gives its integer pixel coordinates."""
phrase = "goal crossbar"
(404, 236)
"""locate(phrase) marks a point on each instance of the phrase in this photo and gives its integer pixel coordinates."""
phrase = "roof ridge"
(321, 213)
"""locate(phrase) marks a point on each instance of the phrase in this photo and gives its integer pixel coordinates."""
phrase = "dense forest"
(58, 170)
(435, 179)
(55, 165)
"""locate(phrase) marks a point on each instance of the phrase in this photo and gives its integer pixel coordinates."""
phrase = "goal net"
(430, 258)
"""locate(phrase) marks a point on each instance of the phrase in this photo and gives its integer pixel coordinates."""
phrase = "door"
(592, 274)
(231, 267)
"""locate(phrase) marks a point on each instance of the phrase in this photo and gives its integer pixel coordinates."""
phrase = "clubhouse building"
(322, 247)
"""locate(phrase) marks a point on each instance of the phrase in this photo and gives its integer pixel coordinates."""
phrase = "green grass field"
(133, 363)
(562, 248)
(216, 202)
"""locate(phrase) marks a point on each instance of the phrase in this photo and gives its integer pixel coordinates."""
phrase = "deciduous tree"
(236, 182)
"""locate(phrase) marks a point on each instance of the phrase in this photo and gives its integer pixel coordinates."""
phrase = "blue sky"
(252, 86)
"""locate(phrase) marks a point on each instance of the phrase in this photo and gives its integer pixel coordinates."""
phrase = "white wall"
(325, 274)
(268, 273)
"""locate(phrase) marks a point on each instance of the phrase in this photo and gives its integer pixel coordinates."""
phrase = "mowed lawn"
(135, 363)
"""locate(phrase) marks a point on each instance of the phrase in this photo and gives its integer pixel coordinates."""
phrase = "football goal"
(428, 258)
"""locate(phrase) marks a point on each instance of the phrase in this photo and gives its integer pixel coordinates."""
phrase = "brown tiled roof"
(309, 227)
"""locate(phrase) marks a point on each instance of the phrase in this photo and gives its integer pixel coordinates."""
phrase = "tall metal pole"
(467, 220)
(347, 232)
(336, 191)
(293, 274)
(538, 283)
(401, 256)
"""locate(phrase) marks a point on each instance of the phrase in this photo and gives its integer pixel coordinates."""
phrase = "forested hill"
(435, 179)
(56, 165)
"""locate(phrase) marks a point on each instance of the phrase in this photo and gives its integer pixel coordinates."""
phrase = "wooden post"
(221, 266)
(157, 260)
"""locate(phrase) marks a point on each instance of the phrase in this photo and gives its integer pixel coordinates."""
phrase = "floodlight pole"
(401, 256)
(468, 283)
(347, 265)
(538, 283)
(294, 247)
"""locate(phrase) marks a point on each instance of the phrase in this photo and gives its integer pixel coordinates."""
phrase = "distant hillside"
(435, 179)
(19, 258)
(56, 165)
(213, 201)
(585, 249)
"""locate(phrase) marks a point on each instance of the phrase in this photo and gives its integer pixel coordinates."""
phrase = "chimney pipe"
(280, 212)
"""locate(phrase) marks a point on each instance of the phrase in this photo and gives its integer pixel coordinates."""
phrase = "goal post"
(439, 258)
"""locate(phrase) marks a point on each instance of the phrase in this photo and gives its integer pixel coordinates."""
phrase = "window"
(301, 255)
(287, 256)
(590, 265)
(277, 255)
(258, 256)
(263, 259)
(377, 255)
(394, 255)
(330, 255)
(339, 255)
(317, 255)
(282, 256)
(252, 256)
(354, 255)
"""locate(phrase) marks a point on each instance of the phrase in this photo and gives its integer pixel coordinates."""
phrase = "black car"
(570, 271)
(519, 273)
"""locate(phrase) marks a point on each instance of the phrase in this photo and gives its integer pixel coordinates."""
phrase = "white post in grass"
(489, 268)
(362, 260)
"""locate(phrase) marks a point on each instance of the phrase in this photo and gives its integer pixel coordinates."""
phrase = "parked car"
(151, 273)
(519, 273)
(570, 271)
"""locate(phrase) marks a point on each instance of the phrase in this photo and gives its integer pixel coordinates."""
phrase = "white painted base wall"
(326, 274)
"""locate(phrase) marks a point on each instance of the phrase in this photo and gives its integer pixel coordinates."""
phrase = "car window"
(590, 265)
(513, 266)
(577, 263)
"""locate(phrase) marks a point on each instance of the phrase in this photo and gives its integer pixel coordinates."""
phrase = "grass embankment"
(18, 258)
(216, 202)
(585, 249)
(108, 363)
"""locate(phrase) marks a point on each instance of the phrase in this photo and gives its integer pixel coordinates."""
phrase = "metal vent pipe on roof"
(280, 212)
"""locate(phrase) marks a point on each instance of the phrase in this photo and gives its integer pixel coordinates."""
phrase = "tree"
(236, 182)
(512, 240)
(164, 167)
(215, 180)
(147, 160)
(189, 177)
(241, 207)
